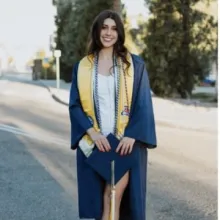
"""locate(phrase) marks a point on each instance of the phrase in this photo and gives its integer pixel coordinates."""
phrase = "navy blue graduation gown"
(141, 127)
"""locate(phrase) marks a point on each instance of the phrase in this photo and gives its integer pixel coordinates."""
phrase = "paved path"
(38, 173)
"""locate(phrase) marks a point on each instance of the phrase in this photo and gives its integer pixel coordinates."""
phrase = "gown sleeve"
(78, 119)
(141, 124)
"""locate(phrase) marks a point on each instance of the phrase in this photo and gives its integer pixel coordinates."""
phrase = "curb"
(56, 98)
(59, 100)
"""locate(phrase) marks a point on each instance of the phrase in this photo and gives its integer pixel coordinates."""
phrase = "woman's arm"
(141, 126)
(80, 123)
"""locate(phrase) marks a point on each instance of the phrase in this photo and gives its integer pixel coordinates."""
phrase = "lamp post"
(57, 54)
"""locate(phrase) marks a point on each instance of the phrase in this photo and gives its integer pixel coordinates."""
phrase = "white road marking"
(41, 137)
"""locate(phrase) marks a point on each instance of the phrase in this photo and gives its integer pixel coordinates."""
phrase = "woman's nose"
(108, 31)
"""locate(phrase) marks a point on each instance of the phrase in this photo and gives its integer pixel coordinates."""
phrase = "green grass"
(204, 97)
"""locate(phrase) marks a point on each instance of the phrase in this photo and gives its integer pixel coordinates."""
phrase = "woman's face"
(109, 34)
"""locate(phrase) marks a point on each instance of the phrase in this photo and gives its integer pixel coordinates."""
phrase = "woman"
(110, 93)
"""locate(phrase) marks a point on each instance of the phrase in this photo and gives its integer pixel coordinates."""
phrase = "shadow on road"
(30, 188)
(40, 118)
(23, 81)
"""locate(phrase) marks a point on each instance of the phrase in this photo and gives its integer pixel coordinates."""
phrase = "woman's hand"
(126, 145)
(100, 140)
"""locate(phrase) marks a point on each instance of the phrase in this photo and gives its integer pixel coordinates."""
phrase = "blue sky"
(25, 25)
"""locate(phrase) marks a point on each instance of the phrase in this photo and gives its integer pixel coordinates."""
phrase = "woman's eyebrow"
(110, 25)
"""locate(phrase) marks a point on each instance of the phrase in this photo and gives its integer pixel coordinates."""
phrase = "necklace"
(116, 91)
(117, 80)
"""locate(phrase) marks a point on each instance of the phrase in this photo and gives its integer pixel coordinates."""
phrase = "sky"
(135, 7)
(26, 25)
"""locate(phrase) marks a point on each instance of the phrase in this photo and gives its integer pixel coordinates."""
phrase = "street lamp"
(57, 54)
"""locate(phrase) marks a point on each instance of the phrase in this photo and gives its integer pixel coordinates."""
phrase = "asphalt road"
(38, 174)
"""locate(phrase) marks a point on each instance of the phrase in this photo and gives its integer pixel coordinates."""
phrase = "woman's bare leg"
(120, 188)
(106, 201)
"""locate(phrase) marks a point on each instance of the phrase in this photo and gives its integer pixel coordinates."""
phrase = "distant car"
(208, 81)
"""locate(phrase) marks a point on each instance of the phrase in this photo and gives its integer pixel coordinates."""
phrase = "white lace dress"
(106, 95)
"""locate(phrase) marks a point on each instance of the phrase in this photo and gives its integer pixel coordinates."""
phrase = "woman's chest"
(106, 87)
(105, 68)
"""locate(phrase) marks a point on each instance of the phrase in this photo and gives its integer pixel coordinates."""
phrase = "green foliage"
(73, 22)
(48, 73)
(180, 43)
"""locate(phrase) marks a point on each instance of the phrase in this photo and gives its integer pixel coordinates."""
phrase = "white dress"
(106, 96)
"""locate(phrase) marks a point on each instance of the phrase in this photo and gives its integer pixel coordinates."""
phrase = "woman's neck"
(106, 53)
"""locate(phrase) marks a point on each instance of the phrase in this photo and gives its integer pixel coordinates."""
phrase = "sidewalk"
(169, 113)
(61, 95)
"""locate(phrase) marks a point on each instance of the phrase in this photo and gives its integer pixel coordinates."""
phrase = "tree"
(73, 22)
(179, 43)
(64, 10)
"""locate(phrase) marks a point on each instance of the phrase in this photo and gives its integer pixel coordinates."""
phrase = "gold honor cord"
(112, 204)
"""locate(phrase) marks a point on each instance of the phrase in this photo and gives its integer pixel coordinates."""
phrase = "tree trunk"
(216, 80)
(185, 46)
(117, 6)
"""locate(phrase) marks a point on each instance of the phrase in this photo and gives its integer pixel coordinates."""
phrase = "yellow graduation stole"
(85, 87)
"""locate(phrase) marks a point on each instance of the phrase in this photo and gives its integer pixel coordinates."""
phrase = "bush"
(48, 73)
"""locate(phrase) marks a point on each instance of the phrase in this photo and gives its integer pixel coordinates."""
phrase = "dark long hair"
(95, 44)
